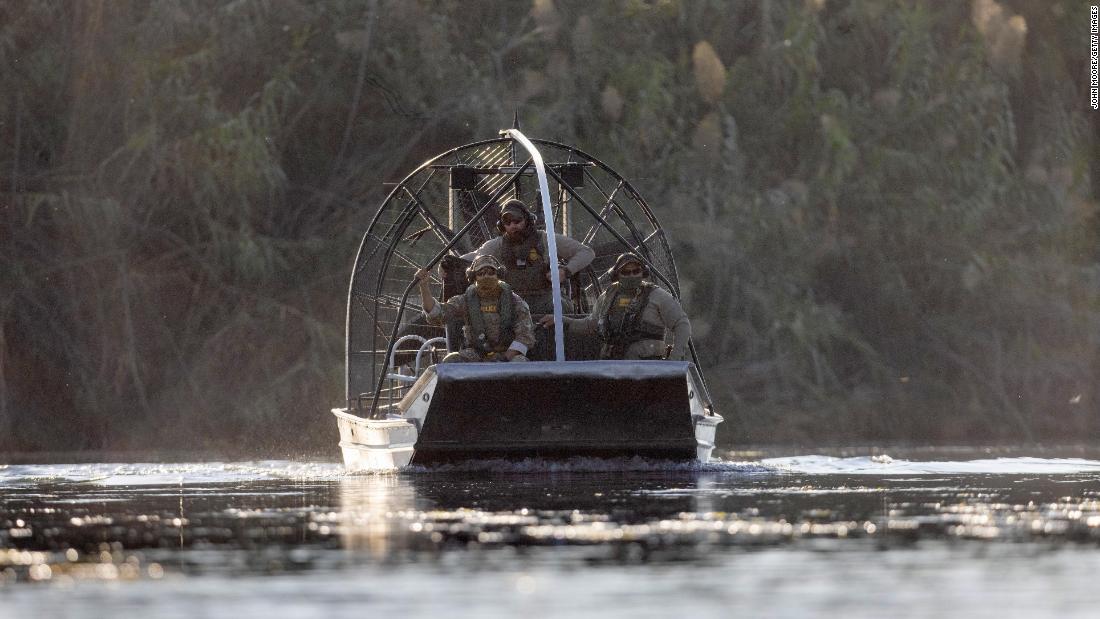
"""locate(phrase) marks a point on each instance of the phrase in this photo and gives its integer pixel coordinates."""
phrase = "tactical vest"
(526, 263)
(476, 337)
(621, 324)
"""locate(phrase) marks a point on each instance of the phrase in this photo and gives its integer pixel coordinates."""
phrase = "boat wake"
(808, 464)
(157, 474)
(190, 473)
(592, 465)
(885, 465)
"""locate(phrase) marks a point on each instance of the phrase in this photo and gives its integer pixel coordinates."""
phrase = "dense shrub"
(883, 211)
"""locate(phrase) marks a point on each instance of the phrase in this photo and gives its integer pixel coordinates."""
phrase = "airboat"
(403, 407)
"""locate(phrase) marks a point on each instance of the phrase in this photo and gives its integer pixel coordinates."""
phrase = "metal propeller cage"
(448, 207)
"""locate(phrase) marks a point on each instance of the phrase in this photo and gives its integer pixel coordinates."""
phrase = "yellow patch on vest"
(533, 255)
(624, 301)
(488, 308)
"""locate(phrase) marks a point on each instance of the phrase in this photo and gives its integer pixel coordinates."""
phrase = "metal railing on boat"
(400, 381)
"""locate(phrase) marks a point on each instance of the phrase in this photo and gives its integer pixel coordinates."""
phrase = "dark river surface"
(919, 533)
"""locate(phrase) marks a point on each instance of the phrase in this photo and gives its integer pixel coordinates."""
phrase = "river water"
(928, 533)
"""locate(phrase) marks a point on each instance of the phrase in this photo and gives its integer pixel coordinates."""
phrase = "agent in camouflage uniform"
(521, 249)
(497, 321)
(632, 316)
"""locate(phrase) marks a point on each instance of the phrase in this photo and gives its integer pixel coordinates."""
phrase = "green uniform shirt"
(455, 307)
(662, 309)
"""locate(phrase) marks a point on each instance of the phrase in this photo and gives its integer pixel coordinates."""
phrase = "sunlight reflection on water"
(788, 535)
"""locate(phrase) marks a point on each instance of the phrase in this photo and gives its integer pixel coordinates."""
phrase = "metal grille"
(421, 216)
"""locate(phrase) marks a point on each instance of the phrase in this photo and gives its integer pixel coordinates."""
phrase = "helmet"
(622, 260)
(480, 262)
(516, 207)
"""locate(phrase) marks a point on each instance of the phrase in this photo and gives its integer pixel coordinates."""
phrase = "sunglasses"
(631, 270)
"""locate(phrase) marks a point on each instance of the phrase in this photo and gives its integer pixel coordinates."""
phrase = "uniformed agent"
(521, 249)
(632, 316)
(497, 322)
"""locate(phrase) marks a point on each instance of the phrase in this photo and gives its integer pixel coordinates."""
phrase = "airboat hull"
(545, 410)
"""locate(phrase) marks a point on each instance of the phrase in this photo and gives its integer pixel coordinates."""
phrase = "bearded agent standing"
(497, 321)
(521, 249)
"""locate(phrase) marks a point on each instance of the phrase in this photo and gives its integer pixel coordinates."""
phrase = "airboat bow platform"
(405, 408)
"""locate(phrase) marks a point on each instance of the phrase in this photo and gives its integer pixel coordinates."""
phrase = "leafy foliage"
(883, 211)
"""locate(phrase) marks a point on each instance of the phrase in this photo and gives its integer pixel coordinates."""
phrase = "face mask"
(487, 284)
(516, 233)
(630, 282)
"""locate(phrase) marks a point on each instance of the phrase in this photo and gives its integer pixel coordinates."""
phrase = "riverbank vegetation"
(884, 213)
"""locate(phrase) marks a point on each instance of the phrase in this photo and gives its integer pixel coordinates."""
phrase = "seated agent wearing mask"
(521, 249)
(497, 321)
(631, 316)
